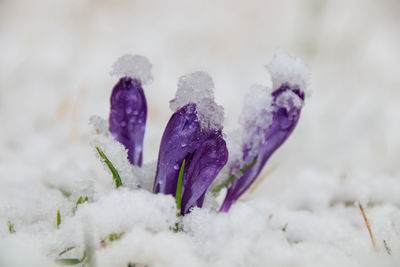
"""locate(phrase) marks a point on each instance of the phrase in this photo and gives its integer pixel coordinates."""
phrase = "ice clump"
(255, 119)
(118, 156)
(137, 67)
(286, 69)
(198, 88)
(99, 125)
(289, 99)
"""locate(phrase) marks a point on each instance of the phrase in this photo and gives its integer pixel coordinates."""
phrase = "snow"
(344, 149)
(137, 66)
(284, 68)
(255, 119)
(289, 99)
(198, 88)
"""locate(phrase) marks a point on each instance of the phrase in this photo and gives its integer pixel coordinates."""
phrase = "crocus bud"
(128, 117)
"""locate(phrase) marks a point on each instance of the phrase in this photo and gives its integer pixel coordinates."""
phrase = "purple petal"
(285, 117)
(128, 117)
(181, 137)
(204, 167)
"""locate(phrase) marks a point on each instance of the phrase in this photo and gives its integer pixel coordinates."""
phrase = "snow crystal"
(118, 156)
(288, 100)
(99, 125)
(122, 209)
(138, 67)
(198, 88)
(255, 119)
(286, 69)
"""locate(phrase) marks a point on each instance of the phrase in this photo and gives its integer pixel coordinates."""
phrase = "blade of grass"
(65, 250)
(72, 261)
(114, 172)
(179, 187)
(58, 219)
(219, 187)
(368, 227)
(11, 228)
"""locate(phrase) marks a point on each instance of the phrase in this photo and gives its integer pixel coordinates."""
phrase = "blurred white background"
(55, 59)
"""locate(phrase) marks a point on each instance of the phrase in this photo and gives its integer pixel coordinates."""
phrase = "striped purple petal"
(128, 117)
(204, 167)
(287, 103)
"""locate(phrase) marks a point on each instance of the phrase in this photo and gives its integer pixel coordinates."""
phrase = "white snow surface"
(255, 119)
(137, 66)
(286, 69)
(54, 74)
(198, 88)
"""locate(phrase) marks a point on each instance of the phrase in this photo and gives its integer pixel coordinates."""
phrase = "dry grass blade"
(368, 227)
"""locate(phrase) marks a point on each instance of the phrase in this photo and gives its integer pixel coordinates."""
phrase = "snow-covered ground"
(55, 60)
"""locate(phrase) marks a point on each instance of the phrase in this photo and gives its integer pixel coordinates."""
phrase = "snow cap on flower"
(197, 88)
(192, 134)
(286, 69)
(135, 66)
(269, 119)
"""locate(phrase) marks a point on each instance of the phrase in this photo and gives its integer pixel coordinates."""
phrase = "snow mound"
(138, 67)
(255, 119)
(288, 100)
(198, 88)
(286, 69)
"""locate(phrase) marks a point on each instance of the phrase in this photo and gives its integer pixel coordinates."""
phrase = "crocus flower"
(128, 104)
(192, 134)
(181, 137)
(204, 166)
(128, 117)
(286, 100)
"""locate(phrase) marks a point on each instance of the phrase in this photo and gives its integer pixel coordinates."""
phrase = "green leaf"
(65, 250)
(179, 187)
(72, 261)
(81, 200)
(114, 172)
(114, 236)
(64, 192)
(219, 187)
(11, 228)
(68, 261)
(58, 219)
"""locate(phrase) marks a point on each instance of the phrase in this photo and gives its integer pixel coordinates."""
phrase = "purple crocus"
(204, 152)
(289, 78)
(128, 117)
(204, 166)
(181, 137)
(192, 134)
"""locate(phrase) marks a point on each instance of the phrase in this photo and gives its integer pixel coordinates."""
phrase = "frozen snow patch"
(138, 67)
(286, 69)
(288, 100)
(255, 119)
(198, 88)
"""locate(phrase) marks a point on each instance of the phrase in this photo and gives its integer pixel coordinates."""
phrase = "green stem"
(219, 187)
(179, 188)
(58, 219)
(114, 172)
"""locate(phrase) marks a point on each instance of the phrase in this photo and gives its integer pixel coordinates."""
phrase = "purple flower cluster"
(200, 146)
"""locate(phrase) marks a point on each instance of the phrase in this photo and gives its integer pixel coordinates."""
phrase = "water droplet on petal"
(136, 112)
(176, 167)
(183, 144)
(122, 123)
(128, 110)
